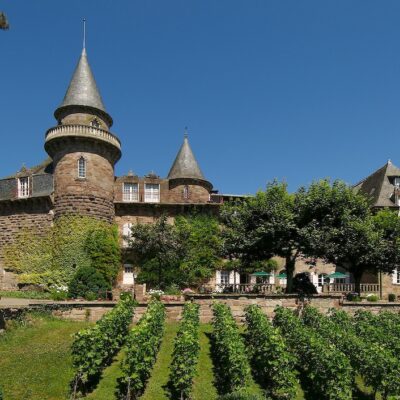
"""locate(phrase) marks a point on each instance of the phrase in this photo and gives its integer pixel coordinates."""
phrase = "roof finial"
(185, 133)
(84, 33)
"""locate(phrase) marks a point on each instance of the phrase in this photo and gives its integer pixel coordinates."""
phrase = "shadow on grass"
(221, 381)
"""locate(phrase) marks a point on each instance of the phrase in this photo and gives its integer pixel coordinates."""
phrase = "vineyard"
(330, 356)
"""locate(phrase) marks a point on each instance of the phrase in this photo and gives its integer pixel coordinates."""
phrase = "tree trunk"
(290, 266)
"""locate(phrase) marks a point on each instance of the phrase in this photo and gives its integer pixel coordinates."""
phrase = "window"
(130, 192)
(323, 279)
(397, 181)
(224, 277)
(152, 192)
(128, 276)
(95, 123)
(23, 187)
(186, 192)
(396, 276)
(81, 168)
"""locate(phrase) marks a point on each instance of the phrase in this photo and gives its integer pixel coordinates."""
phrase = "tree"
(102, 247)
(3, 21)
(263, 226)
(336, 224)
(201, 248)
(156, 246)
(88, 283)
(325, 221)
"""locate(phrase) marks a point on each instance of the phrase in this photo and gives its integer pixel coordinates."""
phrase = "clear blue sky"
(287, 89)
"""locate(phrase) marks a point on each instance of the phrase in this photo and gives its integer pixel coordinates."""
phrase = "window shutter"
(394, 276)
(218, 277)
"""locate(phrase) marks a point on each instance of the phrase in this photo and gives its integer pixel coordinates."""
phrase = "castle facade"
(78, 176)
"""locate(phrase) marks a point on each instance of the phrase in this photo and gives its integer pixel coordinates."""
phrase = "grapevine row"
(323, 364)
(186, 352)
(367, 325)
(378, 368)
(142, 347)
(94, 348)
(233, 369)
(271, 360)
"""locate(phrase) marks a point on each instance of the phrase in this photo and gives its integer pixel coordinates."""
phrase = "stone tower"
(83, 149)
(186, 181)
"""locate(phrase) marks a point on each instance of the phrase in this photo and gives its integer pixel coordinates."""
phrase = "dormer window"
(23, 187)
(130, 192)
(95, 123)
(151, 192)
(82, 168)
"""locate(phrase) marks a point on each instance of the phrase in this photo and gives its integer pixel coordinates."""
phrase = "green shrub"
(86, 280)
(186, 352)
(94, 348)
(372, 297)
(1, 394)
(353, 297)
(392, 297)
(58, 295)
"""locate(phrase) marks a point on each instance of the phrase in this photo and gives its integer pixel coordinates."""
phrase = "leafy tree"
(338, 226)
(157, 245)
(263, 226)
(201, 245)
(88, 281)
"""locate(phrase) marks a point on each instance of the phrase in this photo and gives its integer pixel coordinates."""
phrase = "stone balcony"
(86, 131)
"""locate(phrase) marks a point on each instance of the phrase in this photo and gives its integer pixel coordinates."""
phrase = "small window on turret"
(81, 168)
(186, 192)
(95, 123)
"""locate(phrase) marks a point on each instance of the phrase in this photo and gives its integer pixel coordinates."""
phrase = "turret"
(186, 181)
(83, 149)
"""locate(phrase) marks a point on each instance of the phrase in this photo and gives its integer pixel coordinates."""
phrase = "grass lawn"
(35, 359)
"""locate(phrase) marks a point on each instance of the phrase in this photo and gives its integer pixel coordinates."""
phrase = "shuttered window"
(23, 187)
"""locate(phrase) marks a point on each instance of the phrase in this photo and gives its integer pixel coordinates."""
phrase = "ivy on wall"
(53, 257)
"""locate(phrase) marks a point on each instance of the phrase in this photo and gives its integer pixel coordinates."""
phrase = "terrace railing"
(350, 287)
(245, 288)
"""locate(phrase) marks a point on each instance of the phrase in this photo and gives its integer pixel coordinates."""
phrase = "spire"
(185, 165)
(82, 90)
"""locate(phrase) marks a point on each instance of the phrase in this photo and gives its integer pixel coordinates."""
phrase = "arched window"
(186, 192)
(82, 168)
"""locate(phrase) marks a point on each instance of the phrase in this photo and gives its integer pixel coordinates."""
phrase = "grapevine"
(186, 352)
(271, 360)
(142, 348)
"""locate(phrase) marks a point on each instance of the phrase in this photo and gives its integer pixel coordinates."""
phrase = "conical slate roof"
(185, 164)
(379, 186)
(82, 90)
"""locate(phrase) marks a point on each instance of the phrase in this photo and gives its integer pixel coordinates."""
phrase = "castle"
(78, 178)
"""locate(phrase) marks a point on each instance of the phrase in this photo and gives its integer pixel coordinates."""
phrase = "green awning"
(337, 275)
(261, 273)
(282, 275)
